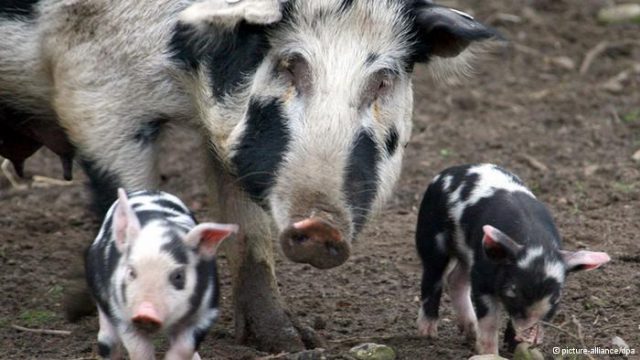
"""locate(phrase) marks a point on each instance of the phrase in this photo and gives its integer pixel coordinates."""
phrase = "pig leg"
(109, 344)
(460, 293)
(260, 314)
(488, 311)
(434, 263)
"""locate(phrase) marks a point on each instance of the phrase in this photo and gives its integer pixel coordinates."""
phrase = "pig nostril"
(333, 251)
(299, 238)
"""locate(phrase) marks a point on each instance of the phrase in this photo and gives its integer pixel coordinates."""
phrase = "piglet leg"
(183, 347)
(460, 293)
(138, 346)
(488, 324)
(109, 344)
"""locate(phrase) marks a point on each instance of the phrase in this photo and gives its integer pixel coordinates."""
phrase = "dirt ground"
(570, 136)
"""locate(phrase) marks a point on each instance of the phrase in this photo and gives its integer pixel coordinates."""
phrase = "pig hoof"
(428, 328)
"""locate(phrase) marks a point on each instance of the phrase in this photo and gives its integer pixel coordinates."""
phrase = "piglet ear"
(126, 225)
(498, 246)
(584, 260)
(445, 32)
(207, 237)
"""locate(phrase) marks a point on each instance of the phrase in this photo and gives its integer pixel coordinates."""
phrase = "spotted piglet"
(153, 269)
(498, 248)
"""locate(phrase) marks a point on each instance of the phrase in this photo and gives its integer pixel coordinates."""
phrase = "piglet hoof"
(428, 327)
(468, 330)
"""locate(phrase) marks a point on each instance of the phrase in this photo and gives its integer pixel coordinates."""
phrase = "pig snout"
(316, 242)
(528, 331)
(147, 318)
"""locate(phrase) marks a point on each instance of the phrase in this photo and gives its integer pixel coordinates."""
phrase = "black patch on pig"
(261, 149)
(176, 248)
(103, 185)
(469, 184)
(371, 58)
(391, 142)
(147, 216)
(104, 350)
(18, 8)
(205, 277)
(123, 289)
(149, 131)
(230, 55)
(168, 204)
(198, 336)
(361, 183)
(345, 5)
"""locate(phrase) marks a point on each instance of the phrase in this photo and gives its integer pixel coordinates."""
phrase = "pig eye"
(177, 278)
(379, 85)
(131, 273)
(295, 69)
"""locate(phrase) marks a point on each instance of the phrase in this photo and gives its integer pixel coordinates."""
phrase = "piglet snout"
(146, 318)
(316, 242)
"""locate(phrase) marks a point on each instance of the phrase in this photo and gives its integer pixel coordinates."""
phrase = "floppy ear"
(584, 260)
(498, 246)
(445, 32)
(228, 14)
(126, 225)
(206, 237)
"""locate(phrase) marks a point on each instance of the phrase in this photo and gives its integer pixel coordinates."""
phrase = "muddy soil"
(570, 136)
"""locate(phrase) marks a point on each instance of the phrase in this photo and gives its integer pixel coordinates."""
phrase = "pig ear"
(126, 225)
(498, 246)
(207, 237)
(445, 32)
(228, 14)
(584, 260)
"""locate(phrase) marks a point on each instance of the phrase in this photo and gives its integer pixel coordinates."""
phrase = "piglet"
(152, 269)
(498, 248)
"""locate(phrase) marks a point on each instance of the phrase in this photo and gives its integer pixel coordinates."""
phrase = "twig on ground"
(576, 322)
(592, 54)
(560, 329)
(42, 331)
(599, 49)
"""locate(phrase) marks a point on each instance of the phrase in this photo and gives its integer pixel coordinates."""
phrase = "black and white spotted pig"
(302, 108)
(152, 268)
(498, 247)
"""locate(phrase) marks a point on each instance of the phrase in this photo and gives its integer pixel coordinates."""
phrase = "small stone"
(619, 343)
(487, 357)
(564, 62)
(620, 14)
(636, 156)
(371, 351)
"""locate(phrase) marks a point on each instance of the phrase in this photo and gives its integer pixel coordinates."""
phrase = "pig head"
(312, 109)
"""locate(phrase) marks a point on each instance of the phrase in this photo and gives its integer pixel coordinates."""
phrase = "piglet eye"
(178, 278)
(131, 273)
